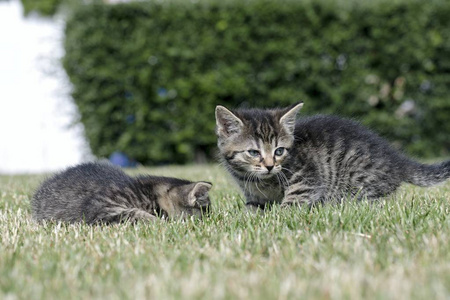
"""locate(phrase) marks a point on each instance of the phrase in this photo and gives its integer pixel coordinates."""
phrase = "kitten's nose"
(269, 168)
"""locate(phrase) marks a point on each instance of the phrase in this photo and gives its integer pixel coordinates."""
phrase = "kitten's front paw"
(286, 205)
(254, 207)
(290, 204)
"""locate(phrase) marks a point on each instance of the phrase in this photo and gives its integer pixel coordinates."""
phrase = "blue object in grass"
(130, 119)
(122, 160)
(162, 92)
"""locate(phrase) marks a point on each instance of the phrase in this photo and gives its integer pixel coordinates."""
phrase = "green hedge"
(43, 7)
(147, 76)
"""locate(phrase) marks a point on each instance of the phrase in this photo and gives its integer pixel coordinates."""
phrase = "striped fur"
(325, 158)
(102, 193)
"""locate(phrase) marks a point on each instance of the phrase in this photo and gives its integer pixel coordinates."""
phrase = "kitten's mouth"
(265, 175)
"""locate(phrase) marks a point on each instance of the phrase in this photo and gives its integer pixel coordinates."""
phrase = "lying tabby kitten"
(275, 158)
(101, 193)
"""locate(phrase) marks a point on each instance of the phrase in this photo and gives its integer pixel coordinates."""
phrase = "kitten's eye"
(254, 153)
(279, 151)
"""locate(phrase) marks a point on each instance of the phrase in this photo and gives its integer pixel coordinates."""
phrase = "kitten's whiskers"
(283, 168)
(256, 184)
(285, 181)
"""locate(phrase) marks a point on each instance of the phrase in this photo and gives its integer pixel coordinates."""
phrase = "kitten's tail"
(427, 175)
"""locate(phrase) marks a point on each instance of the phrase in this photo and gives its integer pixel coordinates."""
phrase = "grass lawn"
(398, 248)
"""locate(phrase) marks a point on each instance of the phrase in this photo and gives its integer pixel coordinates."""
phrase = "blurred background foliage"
(147, 75)
(46, 8)
(43, 7)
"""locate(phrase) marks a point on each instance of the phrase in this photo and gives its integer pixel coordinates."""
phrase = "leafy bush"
(147, 76)
(43, 7)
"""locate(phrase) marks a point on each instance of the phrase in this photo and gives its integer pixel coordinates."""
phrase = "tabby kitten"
(102, 193)
(276, 158)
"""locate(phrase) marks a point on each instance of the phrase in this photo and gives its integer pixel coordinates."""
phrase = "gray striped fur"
(325, 158)
(102, 193)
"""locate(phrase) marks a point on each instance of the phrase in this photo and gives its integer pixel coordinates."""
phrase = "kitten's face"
(256, 142)
(190, 199)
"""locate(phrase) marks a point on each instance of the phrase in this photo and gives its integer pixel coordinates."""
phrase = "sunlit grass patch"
(397, 248)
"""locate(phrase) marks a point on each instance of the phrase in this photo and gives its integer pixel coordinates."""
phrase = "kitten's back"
(102, 193)
(351, 153)
(74, 187)
(329, 131)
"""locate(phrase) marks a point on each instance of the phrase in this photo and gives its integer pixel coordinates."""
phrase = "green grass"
(398, 248)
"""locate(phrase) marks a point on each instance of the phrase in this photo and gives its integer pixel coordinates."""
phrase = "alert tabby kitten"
(102, 193)
(276, 158)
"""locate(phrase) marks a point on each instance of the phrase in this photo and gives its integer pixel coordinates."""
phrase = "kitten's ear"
(289, 117)
(199, 193)
(227, 123)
